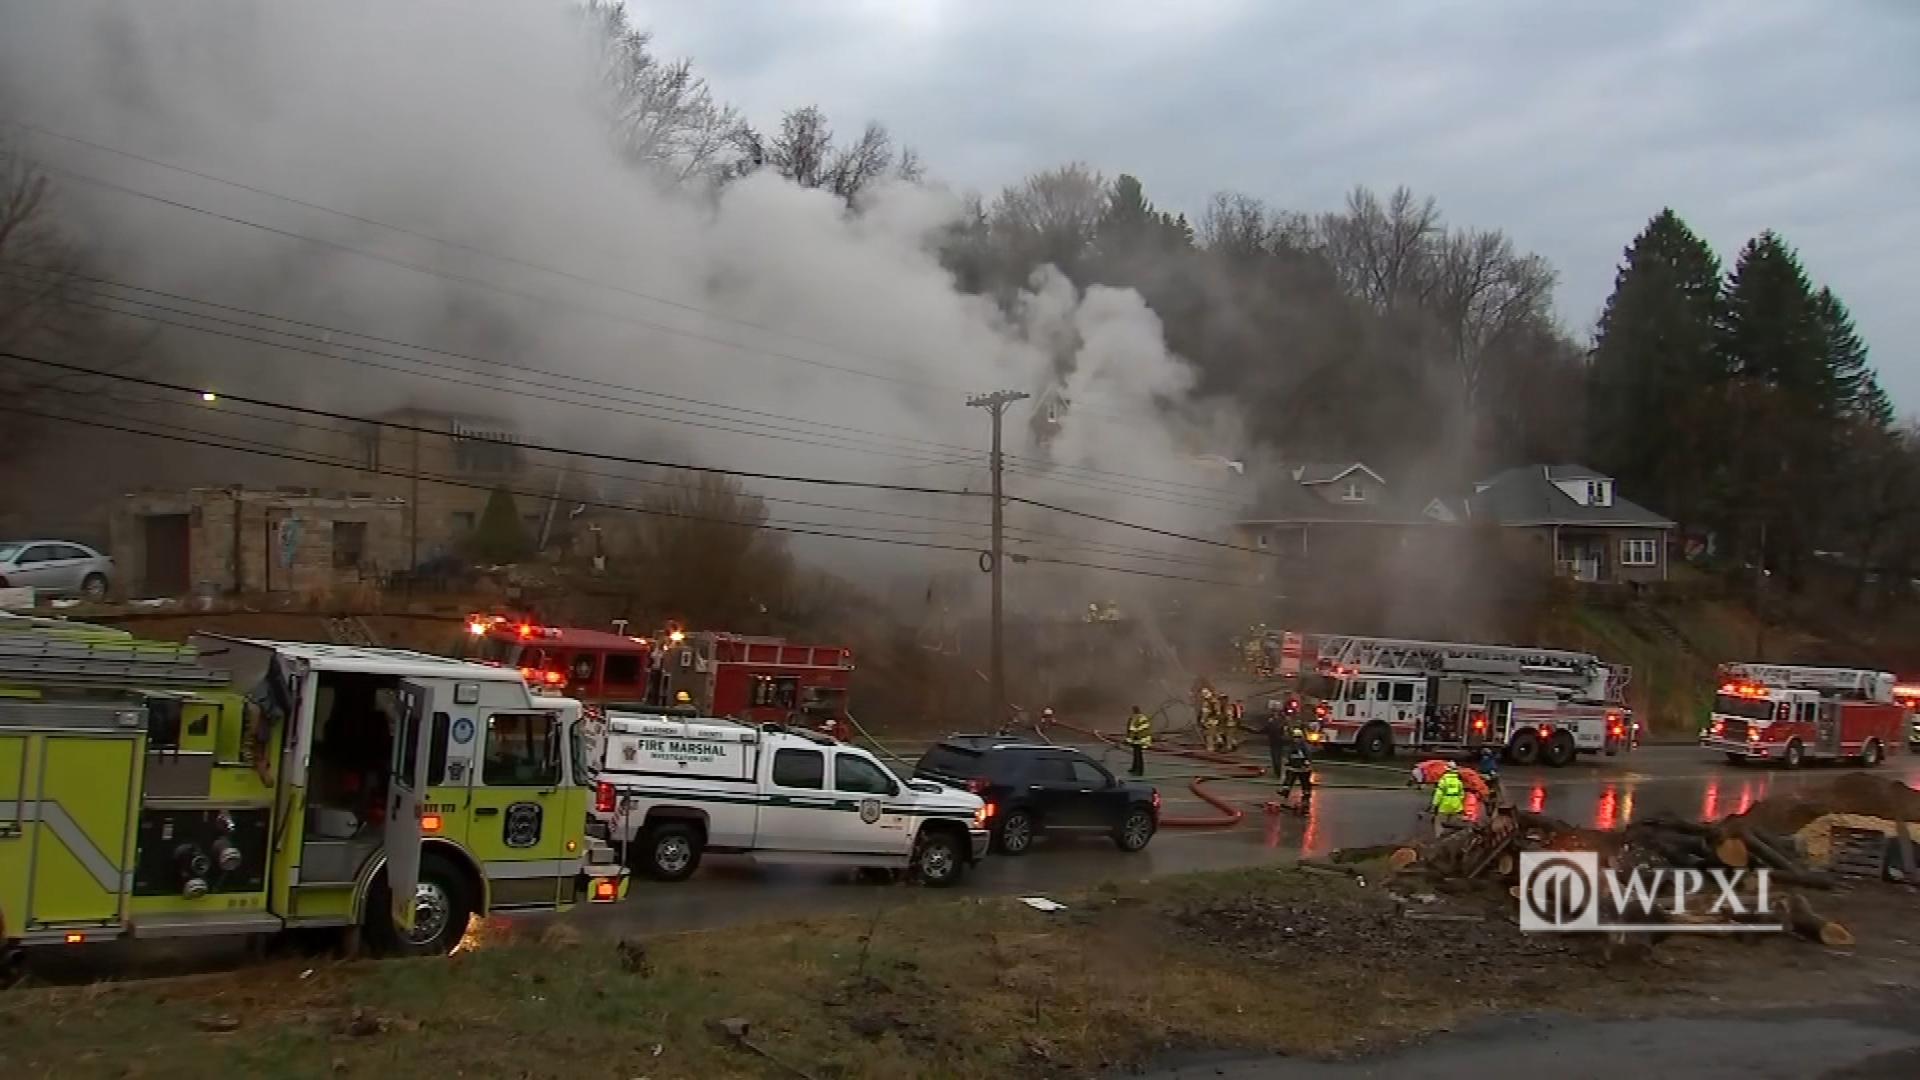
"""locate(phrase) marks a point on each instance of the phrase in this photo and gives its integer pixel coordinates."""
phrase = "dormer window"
(1599, 493)
(1353, 493)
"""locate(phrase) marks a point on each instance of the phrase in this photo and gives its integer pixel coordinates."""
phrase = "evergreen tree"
(1862, 400)
(500, 537)
(1784, 428)
(1657, 369)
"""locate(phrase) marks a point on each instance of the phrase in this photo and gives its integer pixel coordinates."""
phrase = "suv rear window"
(945, 759)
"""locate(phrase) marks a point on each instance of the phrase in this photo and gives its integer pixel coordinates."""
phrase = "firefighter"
(1449, 798)
(1231, 711)
(1139, 738)
(1209, 720)
(1279, 720)
(1489, 769)
(1298, 768)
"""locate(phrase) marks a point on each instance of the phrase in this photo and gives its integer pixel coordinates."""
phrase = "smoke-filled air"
(485, 194)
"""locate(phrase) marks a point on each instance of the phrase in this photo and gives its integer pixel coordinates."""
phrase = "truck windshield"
(495, 651)
(1744, 707)
(582, 757)
(1320, 687)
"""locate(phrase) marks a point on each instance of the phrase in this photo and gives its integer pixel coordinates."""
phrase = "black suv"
(1035, 788)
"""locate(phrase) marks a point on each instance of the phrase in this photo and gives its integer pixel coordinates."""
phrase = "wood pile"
(1488, 852)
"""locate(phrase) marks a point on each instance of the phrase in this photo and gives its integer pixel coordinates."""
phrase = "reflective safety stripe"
(529, 868)
(61, 825)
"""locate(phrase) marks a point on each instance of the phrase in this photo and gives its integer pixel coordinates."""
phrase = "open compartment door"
(406, 788)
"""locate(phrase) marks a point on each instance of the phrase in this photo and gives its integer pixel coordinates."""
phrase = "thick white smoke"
(474, 122)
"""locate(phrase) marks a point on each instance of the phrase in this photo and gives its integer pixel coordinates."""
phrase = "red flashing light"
(430, 823)
(603, 799)
(554, 678)
(526, 629)
(605, 890)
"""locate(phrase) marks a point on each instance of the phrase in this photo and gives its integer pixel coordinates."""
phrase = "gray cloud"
(1568, 125)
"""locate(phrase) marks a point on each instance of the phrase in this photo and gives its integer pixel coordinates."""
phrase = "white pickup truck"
(668, 789)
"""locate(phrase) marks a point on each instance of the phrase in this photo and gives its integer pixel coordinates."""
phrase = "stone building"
(235, 540)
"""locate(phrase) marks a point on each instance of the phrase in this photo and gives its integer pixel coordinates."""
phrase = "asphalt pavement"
(1600, 792)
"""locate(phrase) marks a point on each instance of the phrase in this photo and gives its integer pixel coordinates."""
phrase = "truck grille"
(1735, 729)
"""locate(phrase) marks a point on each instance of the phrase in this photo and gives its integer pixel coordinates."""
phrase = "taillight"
(1156, 798)
(977, 785)
(603, 799)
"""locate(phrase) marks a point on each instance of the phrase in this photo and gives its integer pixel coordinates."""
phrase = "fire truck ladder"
(1804, 677)
(1396, 654)
(34, 660)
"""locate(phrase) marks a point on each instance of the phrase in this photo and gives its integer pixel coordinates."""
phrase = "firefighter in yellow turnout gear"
(1139, 739)
(1210, 715)
(1449, 798)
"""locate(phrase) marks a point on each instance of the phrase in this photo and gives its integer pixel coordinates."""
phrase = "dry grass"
(965, 988)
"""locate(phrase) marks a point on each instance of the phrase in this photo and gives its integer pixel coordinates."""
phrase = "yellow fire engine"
(235, 786)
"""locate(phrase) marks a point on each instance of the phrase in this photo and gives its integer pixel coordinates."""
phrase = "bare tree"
(804, 151)
(1383, 252)
(706, 553)
(1237, 225)
(1482, 292)
(662, 114)
(1050, 217)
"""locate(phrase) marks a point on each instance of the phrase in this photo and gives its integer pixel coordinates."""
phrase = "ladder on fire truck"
(1869, 684)
(81, 655)
(1398, 654)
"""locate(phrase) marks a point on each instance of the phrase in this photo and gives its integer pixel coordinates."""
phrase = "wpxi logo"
(1569, 891)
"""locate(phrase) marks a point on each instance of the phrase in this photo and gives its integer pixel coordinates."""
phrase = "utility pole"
(996, 405)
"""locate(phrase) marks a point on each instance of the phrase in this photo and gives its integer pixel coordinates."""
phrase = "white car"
(669, 789)
(55, 568)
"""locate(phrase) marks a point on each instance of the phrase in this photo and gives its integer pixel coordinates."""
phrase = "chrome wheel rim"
(431, 910)
(672, 854)
(1139, 831)
(936, 862)
(1016, 833)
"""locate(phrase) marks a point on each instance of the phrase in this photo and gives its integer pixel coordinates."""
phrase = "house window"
(1640, 551)
(1599, 493)
(349, 544)
(1353, 493)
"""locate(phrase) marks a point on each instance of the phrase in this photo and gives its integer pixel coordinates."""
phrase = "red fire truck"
(1795, 713)
(1375, 695)
(752, 679)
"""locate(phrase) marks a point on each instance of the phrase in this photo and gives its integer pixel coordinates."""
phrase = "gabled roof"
(1327, 474)
(1528, 495)
(1282, 500)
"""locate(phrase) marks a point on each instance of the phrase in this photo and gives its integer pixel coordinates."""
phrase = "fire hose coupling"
(226, 856)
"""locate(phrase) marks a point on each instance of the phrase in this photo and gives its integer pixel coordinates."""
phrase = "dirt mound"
(1854, 793)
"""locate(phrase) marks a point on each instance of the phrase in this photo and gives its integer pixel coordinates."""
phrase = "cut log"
(1403, 858)
(1800, 918)
(1506, 865)
(1731, 850)
(1786, 869)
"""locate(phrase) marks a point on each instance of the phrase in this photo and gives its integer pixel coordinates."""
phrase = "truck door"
(864, 791)
(406, 785)
(794, 817)
(516, 823)
(1826, 728)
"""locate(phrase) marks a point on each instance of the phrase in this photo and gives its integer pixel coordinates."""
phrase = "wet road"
(1603, 793)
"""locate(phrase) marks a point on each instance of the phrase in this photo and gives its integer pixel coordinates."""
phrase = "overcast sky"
(1568, 123)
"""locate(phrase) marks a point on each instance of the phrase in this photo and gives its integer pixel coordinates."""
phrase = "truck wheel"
(1560, 750)
(939, 859)
(1375, 743)
(671, 852)
(1873, 753)
(441, 911)
(1015, 834)
(1796, 755)
(1525, 748)
(1136, 832)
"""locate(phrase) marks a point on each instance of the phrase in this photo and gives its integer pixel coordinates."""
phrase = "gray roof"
(1286, 501)
(1527, 495)
(1327, 474)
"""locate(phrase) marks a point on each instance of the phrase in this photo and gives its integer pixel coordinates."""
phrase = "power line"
(1027, 534)
(602, 456)
(456, 245)
(513, 260)
(670, 417)
(470, 485)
